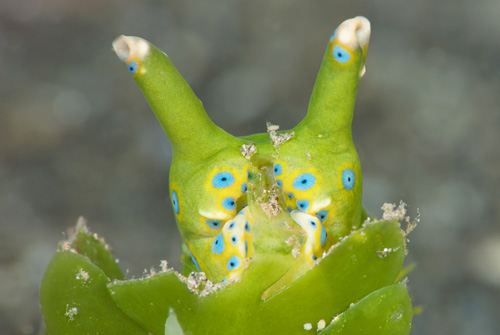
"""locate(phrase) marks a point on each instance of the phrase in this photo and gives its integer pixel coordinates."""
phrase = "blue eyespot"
(223, 179)
(322, 215)
(132, 67)
(233, 263)
(279, 182)
(290, 195)
(244, 188)
(175, 202)
(340, 54)
(248, 228)
(313, 257)
(231, 226)
(214, 224)
(195, 262)
(224, 281)
(303, 205)
(218, 244)
(304, 181)
(348, 179)
(246, 248)
(313, 224)
(289, 209)
(323, 236)
(278, 169)
(235, 239)
(229, 203)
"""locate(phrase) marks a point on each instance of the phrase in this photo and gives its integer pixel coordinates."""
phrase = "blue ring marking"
(340, 54)
(322, 215)
(223, 179)
(244, 188)
(304, 181)
(348, 179)
(314, 257)
(229, 204)
(233, 263)
(235, 239)
(132, 67)
(334, 34)
(303, 205)
(279, 182)
(290, 195)
(313, 225)
(323, 236)
(218, 244)
(195, 262)
(246, 248)
(278, 169)
(214, 224)
(248, 228)
(175, 202)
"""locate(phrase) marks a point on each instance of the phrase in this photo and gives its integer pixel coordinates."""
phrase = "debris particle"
(383, 253)
(391, 212)
(163, 266)
(66, 246)
(321, 324)
(82, 275)
(71, 312)
(196, 279)
(336, 317)
(271, 207)
(247, 150)
(308, 326)
(294, 241)
(277, 139)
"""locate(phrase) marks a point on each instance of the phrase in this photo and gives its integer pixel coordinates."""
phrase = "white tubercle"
(214, 215)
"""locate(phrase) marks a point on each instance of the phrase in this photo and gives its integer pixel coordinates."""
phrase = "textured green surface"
(61, 291)
(96, 250)
(384, 312)
(352, 271)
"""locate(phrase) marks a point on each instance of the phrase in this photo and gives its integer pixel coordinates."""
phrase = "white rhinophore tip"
(130, 46)
(354, 32)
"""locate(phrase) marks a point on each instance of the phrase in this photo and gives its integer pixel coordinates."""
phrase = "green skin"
(322, 145)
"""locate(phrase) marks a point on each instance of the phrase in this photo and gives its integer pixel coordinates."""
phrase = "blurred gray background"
(78, 138)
